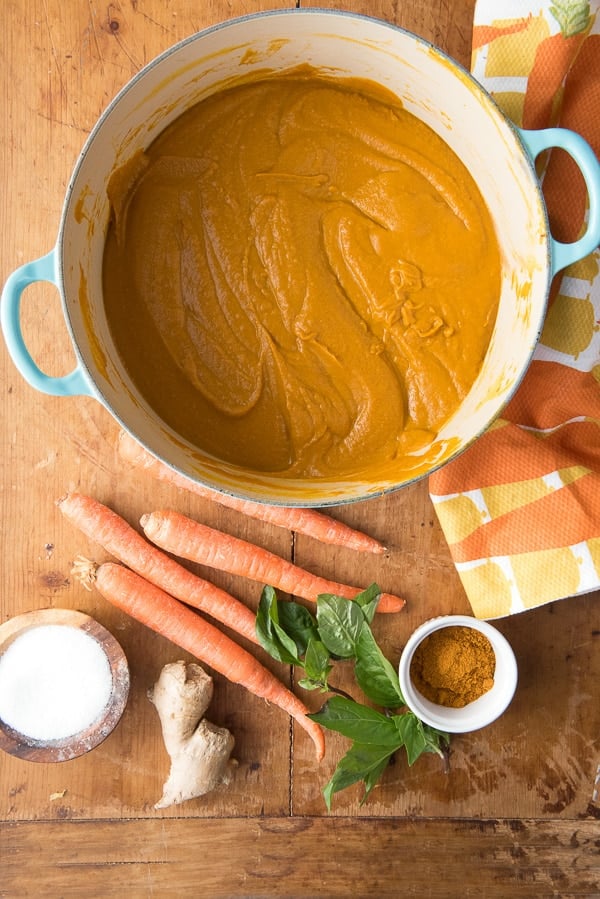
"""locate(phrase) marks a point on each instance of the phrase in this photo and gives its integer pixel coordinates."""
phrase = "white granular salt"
(55, 680)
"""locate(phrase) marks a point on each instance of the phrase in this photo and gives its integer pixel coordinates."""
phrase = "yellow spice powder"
(454, 666)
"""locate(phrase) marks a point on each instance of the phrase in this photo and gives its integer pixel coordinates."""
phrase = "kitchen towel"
(520, 508)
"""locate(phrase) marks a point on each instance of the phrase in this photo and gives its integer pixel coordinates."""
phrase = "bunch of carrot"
(157, 591)
(144, 585)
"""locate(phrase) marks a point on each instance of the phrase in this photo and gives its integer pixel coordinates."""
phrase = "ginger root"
(199, 751)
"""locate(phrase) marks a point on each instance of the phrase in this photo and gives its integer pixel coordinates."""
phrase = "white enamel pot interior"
(431, 86)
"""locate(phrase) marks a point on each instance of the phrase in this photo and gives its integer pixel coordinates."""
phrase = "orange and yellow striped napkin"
(520, 509)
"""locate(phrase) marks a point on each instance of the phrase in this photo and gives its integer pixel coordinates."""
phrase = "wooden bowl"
(60, 750)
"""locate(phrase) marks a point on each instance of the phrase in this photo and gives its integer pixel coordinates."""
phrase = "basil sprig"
(341, 630)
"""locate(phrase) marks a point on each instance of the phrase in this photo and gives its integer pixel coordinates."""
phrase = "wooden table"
(516, 815)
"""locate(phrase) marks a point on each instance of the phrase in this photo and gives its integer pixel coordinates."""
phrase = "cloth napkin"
(520, 508)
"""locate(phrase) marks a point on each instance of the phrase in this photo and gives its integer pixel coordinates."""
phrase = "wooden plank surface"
(515, 815)
(307, 857)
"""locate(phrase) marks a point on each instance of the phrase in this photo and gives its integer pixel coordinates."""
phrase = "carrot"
(197, 542)
(484, 34)
(171, 619)
(305, 521)
(553, 59)
(117, 537)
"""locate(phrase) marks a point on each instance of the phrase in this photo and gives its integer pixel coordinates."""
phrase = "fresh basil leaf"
(340, 623)
(358, 722)
(372, 776)
(298, 623)
(287, 646)
(368, 600)
(264, 621)
(341, 629)
(375, 675)
(270, 634)
(419, 737)
(360, 763)
(435, 740)
(412, 736)
(316, 661)
(268, 598)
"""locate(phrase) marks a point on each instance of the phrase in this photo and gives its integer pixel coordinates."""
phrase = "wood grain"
(306, 857)
(516, 815)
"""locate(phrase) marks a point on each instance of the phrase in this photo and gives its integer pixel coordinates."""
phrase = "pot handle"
(536, 141)
(42, 269)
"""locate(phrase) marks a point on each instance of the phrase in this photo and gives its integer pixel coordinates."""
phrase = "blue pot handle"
(43, 269)
(577, 147)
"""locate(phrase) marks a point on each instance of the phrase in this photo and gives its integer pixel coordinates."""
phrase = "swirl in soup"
(300, 276)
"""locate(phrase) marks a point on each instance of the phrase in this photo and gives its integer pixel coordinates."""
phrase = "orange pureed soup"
(300, 276)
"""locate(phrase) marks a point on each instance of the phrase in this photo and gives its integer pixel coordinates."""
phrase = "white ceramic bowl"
(482, 711)
(430, 85)
(68, 747)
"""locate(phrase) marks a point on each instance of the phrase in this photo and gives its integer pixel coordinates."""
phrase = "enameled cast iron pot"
(431, 86)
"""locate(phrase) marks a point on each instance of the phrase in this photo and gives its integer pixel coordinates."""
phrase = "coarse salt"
(55, 681)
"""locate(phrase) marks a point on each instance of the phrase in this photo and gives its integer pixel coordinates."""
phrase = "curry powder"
(454, 666)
